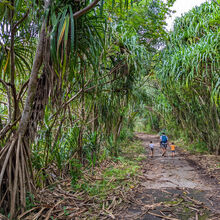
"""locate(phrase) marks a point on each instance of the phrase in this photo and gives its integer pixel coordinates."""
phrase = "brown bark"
(12, 83)
(12, 64)
(86, 9)
(9, 101)
(32, 85)
(80, 139)
(15, 167)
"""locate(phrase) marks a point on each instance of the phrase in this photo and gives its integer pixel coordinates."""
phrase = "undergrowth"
(114, 172)
(97, 190)
(193, 148)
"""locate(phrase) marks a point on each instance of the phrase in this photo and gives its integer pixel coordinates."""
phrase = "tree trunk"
(15, 163)
(80, 138)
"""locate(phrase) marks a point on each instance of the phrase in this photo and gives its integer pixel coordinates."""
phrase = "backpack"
(164, 138)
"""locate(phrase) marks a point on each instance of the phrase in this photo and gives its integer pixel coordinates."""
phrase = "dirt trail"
(173, 188)
(170, 171)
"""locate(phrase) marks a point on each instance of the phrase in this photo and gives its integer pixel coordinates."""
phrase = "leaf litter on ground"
(102, 192)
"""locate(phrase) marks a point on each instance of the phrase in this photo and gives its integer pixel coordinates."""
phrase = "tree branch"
(4, 130)
(21, 20)
(9, 100)
(86, 9)
(22, 89)
(32, 84)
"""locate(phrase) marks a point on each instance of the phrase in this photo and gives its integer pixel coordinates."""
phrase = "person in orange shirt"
(172, 147)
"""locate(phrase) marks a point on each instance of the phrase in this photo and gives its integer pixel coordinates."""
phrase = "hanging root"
(15, 178)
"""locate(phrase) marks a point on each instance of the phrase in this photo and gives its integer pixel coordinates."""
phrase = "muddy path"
(173, 188)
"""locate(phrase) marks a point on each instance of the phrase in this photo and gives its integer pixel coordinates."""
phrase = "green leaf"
(72, 29)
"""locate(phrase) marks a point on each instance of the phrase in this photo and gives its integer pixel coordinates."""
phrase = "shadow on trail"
(173, 188)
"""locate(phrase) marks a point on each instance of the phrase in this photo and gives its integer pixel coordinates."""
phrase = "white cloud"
(181, 7)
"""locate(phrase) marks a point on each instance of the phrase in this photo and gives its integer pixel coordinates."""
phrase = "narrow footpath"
(173, 188)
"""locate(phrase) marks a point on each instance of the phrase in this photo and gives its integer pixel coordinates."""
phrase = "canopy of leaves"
(68, 82)
(189, 75)
(192, 55)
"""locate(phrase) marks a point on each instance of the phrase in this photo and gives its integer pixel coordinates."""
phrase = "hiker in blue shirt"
(163, 143)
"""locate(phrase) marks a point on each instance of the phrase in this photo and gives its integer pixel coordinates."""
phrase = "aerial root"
(15, 178)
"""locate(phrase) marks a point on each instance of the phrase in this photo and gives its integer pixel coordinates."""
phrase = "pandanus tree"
(15, 59)
(15, 176)
(189, 74)
(73, 54)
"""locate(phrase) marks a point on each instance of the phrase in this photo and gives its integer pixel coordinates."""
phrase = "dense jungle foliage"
(186, 98)
(68, 72)
(77, 76)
